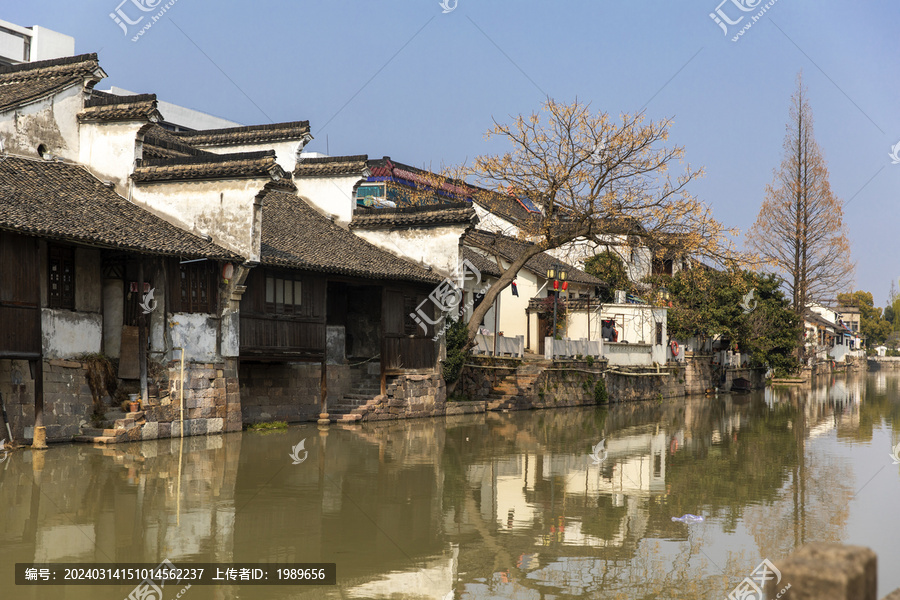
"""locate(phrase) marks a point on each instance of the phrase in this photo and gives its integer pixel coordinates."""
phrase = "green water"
(509, 505)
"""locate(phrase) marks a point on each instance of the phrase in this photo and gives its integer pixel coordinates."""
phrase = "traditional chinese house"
(326, 314)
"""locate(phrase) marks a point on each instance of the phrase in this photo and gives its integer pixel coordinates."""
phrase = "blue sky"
(403, 79)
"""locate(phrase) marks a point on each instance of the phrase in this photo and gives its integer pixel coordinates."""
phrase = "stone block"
(215, 425)
(150, 431)
(67, 364)
(195, 427)
(824, 571)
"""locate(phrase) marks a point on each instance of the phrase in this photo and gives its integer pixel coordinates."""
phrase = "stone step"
(365, 397)
(504, 397)
(98, 432)
(102, 439)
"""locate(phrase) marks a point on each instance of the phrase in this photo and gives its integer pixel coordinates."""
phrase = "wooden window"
(199, 291)
(410, 327)
(659, 332)
(284, 295)
(62, 277)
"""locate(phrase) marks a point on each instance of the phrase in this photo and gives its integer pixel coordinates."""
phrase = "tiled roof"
(817, 319)
(253, 134)
(415, 216)
(64, 202)
(160, 143)
(110, 107)
(296, 236)
(331, 166)
(20, 84)
(209, 166)
(510, 248)
(503, 206)
(485, 265)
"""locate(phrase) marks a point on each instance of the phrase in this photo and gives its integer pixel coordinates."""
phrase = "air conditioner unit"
(621, 297)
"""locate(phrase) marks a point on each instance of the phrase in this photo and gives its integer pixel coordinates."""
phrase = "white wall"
(330, 195)
(488, 221)
(286, 152)
(226, 210)
(196, 333)
(109, 151)
(50, 121)
(67, 334)
(436, 247)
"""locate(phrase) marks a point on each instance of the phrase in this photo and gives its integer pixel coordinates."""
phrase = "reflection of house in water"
(827, 405)
(431, 580)
(513, 490)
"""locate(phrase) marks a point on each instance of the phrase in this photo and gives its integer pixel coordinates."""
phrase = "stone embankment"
(502, 384)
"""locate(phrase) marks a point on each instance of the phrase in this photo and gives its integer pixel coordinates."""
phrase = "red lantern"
(565, 285)
(555, 284)
(227, 271)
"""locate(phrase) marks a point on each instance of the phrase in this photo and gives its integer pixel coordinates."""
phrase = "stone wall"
(504, 384)
(67, 398)
(411, 397)
(884, 362)
(625, 386)
(281, 391)
(212, 402)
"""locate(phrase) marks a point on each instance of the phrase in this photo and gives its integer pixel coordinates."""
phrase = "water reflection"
(492, 506)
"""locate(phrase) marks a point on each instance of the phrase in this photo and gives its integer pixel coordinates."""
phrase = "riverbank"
(508, 384)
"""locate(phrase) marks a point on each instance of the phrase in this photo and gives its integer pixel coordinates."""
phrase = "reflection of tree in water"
(630, 550)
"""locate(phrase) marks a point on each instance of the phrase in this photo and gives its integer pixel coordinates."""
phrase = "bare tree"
(800, 229)
(590, 176)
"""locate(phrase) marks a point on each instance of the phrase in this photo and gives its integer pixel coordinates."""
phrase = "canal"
(520, 505)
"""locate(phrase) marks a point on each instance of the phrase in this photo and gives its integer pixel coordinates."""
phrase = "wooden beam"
(142, 335)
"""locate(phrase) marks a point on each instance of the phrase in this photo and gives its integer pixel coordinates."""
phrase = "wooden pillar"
(381, 362)
(323, 401)
(142, 336)
(39, 438)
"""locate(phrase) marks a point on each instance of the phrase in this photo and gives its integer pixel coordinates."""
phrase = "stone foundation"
(575, 383)
(410, 397)
(67, 399)
(212, 402)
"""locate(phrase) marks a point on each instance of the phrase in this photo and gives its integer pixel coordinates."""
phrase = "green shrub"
(457, 338)
(600, 395)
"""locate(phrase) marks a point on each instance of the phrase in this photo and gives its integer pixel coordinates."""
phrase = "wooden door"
(20, 297)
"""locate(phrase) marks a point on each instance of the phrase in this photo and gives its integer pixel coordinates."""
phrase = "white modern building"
(29, 44)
